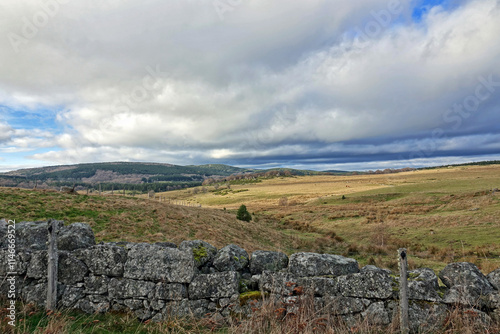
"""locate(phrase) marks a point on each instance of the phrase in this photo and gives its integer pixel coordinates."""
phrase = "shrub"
(243, 214)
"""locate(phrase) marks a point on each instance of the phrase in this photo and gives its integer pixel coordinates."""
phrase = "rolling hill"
(130, 176)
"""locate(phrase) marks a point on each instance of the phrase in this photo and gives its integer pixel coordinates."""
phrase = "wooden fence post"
(52, 265)
(403, 290)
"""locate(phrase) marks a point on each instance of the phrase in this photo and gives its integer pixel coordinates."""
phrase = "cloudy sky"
(318, 84)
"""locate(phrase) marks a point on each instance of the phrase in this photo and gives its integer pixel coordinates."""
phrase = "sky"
(317, 84)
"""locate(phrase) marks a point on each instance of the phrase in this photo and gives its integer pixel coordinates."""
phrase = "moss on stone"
(413, 275)
(245, 297)
(199, 253)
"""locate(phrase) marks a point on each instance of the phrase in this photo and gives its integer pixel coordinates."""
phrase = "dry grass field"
(440, 215)
(118, 218)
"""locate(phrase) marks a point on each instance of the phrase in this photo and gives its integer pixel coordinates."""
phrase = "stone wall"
(162, 280)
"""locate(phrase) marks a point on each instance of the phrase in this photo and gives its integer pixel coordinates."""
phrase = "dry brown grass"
(115, 218)
(299, 316)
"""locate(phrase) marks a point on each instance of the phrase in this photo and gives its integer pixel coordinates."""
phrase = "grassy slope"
(440, 215)
(116, 218)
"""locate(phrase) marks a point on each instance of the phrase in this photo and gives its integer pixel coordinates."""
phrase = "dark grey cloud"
(290, 82)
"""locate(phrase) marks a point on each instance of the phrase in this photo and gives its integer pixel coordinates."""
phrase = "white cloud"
(171, 81)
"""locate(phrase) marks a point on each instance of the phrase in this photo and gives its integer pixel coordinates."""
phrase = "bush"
(243, 214)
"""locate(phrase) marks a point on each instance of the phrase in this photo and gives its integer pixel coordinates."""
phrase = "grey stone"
(74, 236)
(20, 258)
(231, 258)
(377, 314)
(96, 285)
(185, 308)
(468, 295)
(157, 305)
(11, 284)
(203, 252)
(118, 305)
(37, 267)
(370, 267)
(166, 244)
(129, 288)
(494, 278)
(134, 304)
(319, 286)
(480, 320)
(70, 269)
(93, 304)
(340, 305)
(465, 273)
(34, 235)
(144, 314)
(370, 284)
(266, 260)
(424, 317)
(423, 285)
(494, 300)
(218, 285)
(104, 259)
(37, 293)
(169, 291)
(23, 259)
(149, 262)
(280, 283)
(71, 296)
(312, 264)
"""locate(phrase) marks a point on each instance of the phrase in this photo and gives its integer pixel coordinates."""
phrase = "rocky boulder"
(370, 267)
(465, 274)
(22, 258)
(280, 283)
(423, 285)
(369, 284)
(96, 285)
(341, 305)
(74, 236)
(150, 262)
(312, 264)
(129, 288)
(266, 260)
(467, 295)
(231, 258)
(70, 269)
(494, 278)
(37, 267)
(165, 244)
(319, 286)
(377, 314)
(34, 235)
(425, 317)
(218, 285)
(169, 291)
(203, 252)
(93, 304)
(104, 259)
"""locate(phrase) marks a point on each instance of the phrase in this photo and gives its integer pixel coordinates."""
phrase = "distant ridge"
(136, 176)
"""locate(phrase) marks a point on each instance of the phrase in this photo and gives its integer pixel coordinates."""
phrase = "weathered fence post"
(403, 290)
(53, 258)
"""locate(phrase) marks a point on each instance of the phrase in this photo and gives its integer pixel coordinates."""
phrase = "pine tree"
(243, 214)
